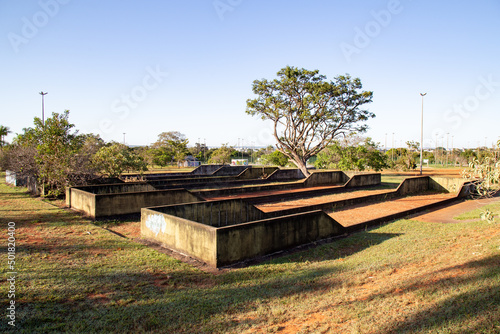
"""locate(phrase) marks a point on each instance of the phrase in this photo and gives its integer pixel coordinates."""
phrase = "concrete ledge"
(245, 241)
(220, 246)
(182, 235)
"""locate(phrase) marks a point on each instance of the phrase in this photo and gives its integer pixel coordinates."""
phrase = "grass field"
(402, 277)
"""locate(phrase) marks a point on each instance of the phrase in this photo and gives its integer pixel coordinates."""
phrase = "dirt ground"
(276, 206)
(429, 171)
(364, 212)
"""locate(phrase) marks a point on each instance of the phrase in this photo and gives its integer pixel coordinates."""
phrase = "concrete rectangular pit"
(224, 232)
(219, 244)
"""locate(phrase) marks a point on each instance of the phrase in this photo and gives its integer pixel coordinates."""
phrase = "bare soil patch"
(364, 212)
(271, 207)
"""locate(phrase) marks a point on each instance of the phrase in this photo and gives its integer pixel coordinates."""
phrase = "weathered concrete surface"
(319, 178)
(230, 170)
(185, 236)
(257, 173)
(114, 204)
(451, 184)
(413, 185)
(215, 213)
(219, 246)
(286, 174)
(245, 241)
(250, 233)
(81, 200)
(363, 180)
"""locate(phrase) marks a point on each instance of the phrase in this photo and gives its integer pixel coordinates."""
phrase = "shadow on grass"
(472, 311)
(334, 248)
(118, 302)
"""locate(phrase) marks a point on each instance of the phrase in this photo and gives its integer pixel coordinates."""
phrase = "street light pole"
(422, 132)
(447, 148)
(43, 111)
(392, 153)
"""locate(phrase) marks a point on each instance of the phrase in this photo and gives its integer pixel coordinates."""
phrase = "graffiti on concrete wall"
(156, 223)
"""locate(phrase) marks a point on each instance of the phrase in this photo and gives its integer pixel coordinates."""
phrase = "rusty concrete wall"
(185, 236)
(245, 241)
(363, 180)
(131, 203)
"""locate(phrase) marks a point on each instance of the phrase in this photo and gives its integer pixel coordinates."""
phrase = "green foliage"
(116, 158)
(276, 158)
(222, 155)
(488, 216)
(55, 144)
(347, 156)
(170, 146)
(309, 112)
(402, 158)
(485, 173)
(4, 131)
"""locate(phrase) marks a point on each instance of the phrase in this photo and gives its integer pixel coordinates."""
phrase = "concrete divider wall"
(257, 173)
(116, 188)
(245, 241)
(450, 184)
(200, 181)
(363, 180)
(230, 170)
(286, 174)
(206, 169)
(320, 178)
(81, 200)
(412, 185)
(215, 213)
(131, 203)
(185, 236)
(227, 245)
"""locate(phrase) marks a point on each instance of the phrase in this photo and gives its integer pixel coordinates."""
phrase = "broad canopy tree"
(308, 111)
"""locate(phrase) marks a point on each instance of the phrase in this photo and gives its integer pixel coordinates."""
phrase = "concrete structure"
(232, 230)
(129, 197)
(229, 231)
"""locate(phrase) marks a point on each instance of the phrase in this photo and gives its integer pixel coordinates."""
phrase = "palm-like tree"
(4, 131)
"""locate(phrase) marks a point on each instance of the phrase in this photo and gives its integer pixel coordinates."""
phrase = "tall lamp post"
(43, 111)
(422, 132)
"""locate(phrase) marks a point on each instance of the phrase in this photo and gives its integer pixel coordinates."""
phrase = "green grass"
(402, 277)
(476, 214)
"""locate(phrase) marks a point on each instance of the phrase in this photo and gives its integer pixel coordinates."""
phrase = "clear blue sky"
(144, 67)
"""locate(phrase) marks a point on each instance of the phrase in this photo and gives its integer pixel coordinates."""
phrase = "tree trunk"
(302, 166)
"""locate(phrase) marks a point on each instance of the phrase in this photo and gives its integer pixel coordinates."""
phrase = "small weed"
(487, 216)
